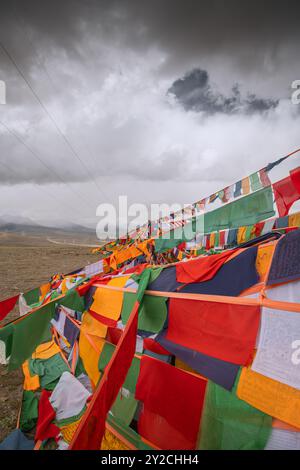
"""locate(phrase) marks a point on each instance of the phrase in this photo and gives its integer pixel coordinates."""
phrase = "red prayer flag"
(258, 228)
(286, 193)
(104, 320)
(207, 242)
(226, 195)
(181, 246)
(114, 335)
(295, 177)
(138, 269)
(7, 305)
(45, 429)
(201, 269)
(159, 432)
(222, 238)
(264, 178)
(173, 394)
(84, 288)
(224, 331)
(290, 229)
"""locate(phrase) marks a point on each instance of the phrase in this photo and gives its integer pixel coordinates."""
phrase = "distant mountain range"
(22, 224)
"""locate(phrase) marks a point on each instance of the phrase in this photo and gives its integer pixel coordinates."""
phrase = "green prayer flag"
(175, 237)
(221, 194)
(143, 283)
(48, 370)
(154, 273)
(79, 367)
(29, 332)
(29, 411)
(32, 296)
(124, 407)
(164, 244)
(255, 182)
(217, 238)
(229, 423)
(133, 373)
(248, 232)
(245, 211)
(73, 300)
(152, 311)
(105, 356)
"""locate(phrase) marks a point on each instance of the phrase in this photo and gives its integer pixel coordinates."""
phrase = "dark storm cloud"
(184, 29)
(246, 30)
(195, 92)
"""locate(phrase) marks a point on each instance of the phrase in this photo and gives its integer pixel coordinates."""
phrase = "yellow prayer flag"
(273, 398)
(108, 303)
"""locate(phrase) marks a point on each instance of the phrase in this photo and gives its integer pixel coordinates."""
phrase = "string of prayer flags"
(244, 211)
(70, 338)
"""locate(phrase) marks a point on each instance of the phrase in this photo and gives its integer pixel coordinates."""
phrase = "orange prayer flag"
(246, 185)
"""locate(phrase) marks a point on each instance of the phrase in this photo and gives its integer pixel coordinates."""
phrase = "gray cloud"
(103, 69)
(252, 33)
(195, 92)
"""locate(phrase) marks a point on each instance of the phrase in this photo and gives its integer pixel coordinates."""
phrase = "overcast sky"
(161, 100)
